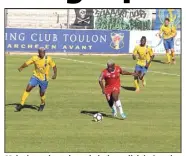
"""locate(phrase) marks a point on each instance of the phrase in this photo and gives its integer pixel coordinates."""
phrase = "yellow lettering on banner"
(84, 47)
(16, 46)
(77, 47)
(64, 47)
(90, 47)
(29, 45)
(9, 46)
(53, 47)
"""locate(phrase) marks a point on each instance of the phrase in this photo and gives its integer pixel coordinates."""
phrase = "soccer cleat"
(41, 108)
(173, 62)
(167, 62)
(114, 114)
(18, 107)
(123, 116)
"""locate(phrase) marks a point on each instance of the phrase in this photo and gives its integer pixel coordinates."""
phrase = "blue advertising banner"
(60, 40)
(173, 14)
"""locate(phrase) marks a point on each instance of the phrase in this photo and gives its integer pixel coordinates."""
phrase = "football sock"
(168, 57)
(42, 100)
(173, 55)
(143, 81)
(24, 97)
(136, 83)
(119, 106)
(114, 108)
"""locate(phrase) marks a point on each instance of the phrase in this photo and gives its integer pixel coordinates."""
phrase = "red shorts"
(110, 90)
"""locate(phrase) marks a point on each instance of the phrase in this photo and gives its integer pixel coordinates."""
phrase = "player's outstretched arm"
(53, 65)
(22, 67)
(159, 35)
(124, 72)
(26, 64)
(55, 72)
(101, 83)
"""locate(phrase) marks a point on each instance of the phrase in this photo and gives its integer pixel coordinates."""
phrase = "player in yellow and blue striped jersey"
(168, 33)
(42, 64)
(144, 55)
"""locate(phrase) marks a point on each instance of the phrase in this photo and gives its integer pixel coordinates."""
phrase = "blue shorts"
(168, 43)
(34, 81)
(141, 69)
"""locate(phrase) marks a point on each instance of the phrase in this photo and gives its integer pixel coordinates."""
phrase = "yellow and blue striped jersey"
(42, 66)
(167, 31)
(143, 54)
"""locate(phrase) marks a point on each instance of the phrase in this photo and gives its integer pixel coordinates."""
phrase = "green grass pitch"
(153, 123)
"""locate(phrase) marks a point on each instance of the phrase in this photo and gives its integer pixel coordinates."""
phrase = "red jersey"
(112, 79)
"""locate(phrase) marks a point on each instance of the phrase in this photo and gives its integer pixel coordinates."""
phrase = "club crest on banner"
(117, 40)
(173, 14)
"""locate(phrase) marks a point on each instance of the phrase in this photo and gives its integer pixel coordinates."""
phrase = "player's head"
(110, 65)
(41, 52)
(143, 41)
(167, 20)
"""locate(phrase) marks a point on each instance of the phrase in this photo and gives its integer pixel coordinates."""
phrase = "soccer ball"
(98, 117)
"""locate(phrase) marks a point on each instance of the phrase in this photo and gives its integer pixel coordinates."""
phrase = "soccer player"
(168, 33)
(40, 76)
(144, 55)
(111, 89)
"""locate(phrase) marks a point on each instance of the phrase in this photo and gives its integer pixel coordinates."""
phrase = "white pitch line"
(86, 62)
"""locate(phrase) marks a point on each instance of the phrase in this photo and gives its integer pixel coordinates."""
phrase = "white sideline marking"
(86, 62)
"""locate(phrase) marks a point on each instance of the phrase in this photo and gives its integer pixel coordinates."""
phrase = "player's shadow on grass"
(129, 88)
(27, 106)
(158, 61)
(91, 113)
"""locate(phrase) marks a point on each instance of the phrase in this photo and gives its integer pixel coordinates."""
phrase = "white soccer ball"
(98, 117)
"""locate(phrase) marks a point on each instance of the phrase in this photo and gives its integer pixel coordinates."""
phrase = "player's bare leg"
(42, 105)
(24, 97)
(173, 56)
(115, 96)
(143, 82)
(112, 105)
(142, 78)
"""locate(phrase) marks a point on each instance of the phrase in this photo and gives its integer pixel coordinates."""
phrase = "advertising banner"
(173, 14)
(153, 40)
(60, 40)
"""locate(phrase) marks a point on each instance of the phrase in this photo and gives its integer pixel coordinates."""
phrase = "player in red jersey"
(111, 89)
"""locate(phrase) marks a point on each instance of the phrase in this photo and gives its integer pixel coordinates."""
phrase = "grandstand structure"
(44, 18)
(39, 18)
